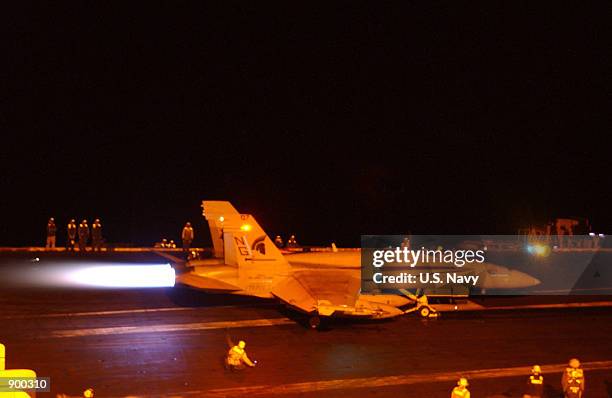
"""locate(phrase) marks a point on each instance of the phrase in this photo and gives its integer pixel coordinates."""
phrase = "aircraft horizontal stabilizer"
(319, 291)
(204, 283)
(291, 292)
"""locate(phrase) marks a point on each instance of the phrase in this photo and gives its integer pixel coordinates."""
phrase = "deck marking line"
(162, 328)
(296, 388)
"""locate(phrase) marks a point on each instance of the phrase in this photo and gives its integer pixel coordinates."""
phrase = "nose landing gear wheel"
(424, 312)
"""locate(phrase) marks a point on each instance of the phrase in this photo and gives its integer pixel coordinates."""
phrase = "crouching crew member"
(461, 391)
(237, 357)
(535, 383)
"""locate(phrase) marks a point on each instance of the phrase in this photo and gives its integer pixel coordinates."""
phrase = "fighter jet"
(320, 284)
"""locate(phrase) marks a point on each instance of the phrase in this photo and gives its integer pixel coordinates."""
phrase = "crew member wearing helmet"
(535, 383)
(96, 235)
(83, 235)
(573, 380)
(187, 236)
(461, 391)
(51, 230)
(278, 241)
(292, 242)
(237, 357)
(71, 230)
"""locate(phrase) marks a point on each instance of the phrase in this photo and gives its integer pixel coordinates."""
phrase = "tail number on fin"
(243, 246)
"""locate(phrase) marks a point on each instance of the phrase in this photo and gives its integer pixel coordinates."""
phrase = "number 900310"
(39, 384)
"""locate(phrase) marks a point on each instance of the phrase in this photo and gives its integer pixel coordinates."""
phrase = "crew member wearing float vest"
(461, 391)
(572, 380)
(535, 383)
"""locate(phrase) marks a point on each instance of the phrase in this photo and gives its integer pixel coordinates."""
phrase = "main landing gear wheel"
(314, 322)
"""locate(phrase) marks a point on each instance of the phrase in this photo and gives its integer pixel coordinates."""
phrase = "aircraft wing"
(310, 291)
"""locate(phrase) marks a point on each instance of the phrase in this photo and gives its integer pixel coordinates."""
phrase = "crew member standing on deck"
(572, 380)
(83, 235)
(292, 242)
(96, 235)
(51, 231)
(71, 235)
(187, 236)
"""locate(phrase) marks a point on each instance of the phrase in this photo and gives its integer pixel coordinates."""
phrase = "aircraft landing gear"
(314, 322)
(428, 312)
(425, 311)
(421, 305)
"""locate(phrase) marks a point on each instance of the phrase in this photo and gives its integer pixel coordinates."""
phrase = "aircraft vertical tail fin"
(245, 242)
(242, 241)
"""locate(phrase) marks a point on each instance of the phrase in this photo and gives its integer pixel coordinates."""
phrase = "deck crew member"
(572, 380)
(51, 231)
(237, 357)
(96, 235)
(292, 242)
(187, 236)
(71, 230)
(461, 391)
(535, 383)
(83, 235)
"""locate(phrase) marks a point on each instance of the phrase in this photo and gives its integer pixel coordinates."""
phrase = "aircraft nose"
(518, 279)
(532, 281)
(503, 278)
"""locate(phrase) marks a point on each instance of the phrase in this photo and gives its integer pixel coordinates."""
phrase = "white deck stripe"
(378, 382)
(565, 291)
(473, 307)
(545, 306)
(118, 312)
(97, 313)
(170, 327)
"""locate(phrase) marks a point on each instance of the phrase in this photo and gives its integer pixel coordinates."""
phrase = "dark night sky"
(327, 121)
